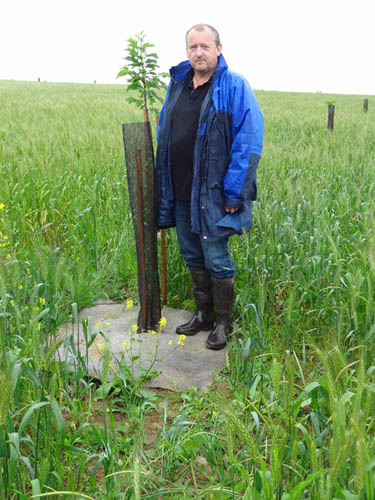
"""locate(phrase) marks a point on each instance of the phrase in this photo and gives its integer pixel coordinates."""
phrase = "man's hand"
(230, 210)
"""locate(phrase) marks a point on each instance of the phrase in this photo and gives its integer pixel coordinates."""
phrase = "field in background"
(293, 414)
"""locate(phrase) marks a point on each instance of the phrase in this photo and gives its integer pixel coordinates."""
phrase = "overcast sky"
(293, 45)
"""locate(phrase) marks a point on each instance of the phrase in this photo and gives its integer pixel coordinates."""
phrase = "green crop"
(291, 416)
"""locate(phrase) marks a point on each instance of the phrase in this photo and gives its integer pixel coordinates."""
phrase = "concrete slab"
(180, 366)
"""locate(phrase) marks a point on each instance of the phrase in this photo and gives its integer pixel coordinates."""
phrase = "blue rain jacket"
(226, 155)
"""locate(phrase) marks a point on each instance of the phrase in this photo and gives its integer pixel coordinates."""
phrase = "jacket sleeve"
(247, 140)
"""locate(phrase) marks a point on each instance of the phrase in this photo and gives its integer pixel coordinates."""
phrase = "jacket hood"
(181, 71)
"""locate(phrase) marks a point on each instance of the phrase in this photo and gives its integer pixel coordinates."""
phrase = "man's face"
(202, 51)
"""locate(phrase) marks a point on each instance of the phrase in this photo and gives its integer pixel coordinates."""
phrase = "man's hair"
(202, 27)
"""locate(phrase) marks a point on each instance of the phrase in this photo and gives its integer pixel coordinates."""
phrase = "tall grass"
(292, 415)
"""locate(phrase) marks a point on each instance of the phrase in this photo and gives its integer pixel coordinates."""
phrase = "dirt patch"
(154, 419)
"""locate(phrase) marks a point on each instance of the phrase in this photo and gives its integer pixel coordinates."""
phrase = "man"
(210, 138)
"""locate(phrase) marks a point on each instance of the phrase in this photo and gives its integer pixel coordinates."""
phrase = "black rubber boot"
(203, 318)
(223, 293)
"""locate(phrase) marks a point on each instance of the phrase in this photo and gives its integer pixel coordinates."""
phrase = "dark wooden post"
(163, 268)
(365, 105)
(141, 241)
(331, 116)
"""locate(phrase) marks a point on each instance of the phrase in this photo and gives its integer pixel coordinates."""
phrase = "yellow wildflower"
(129, 304)
(108, 323)
(42, 300)
(98, 325)
(125, 344)
(162, 322)
(135, 328)
(213, 413)
(170, 342)
(181, 338)
(20, 287)
(100, 347)
(152, 332)
(2, 206)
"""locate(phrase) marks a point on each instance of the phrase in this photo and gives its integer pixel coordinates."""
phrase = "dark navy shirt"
(184, 125)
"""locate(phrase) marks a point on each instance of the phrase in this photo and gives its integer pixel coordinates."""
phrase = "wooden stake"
(331, 116)
(365, 105)
(142, 271)
(163, 268)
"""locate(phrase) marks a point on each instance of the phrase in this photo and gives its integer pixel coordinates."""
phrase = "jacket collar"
(181, 71)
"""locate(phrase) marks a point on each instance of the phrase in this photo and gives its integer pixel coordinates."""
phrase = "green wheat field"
(293, 414)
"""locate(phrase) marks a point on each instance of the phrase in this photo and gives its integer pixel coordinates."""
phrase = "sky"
(287, 45)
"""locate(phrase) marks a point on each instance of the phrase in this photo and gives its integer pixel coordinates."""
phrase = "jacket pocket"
(212, 204)
(240, 221)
